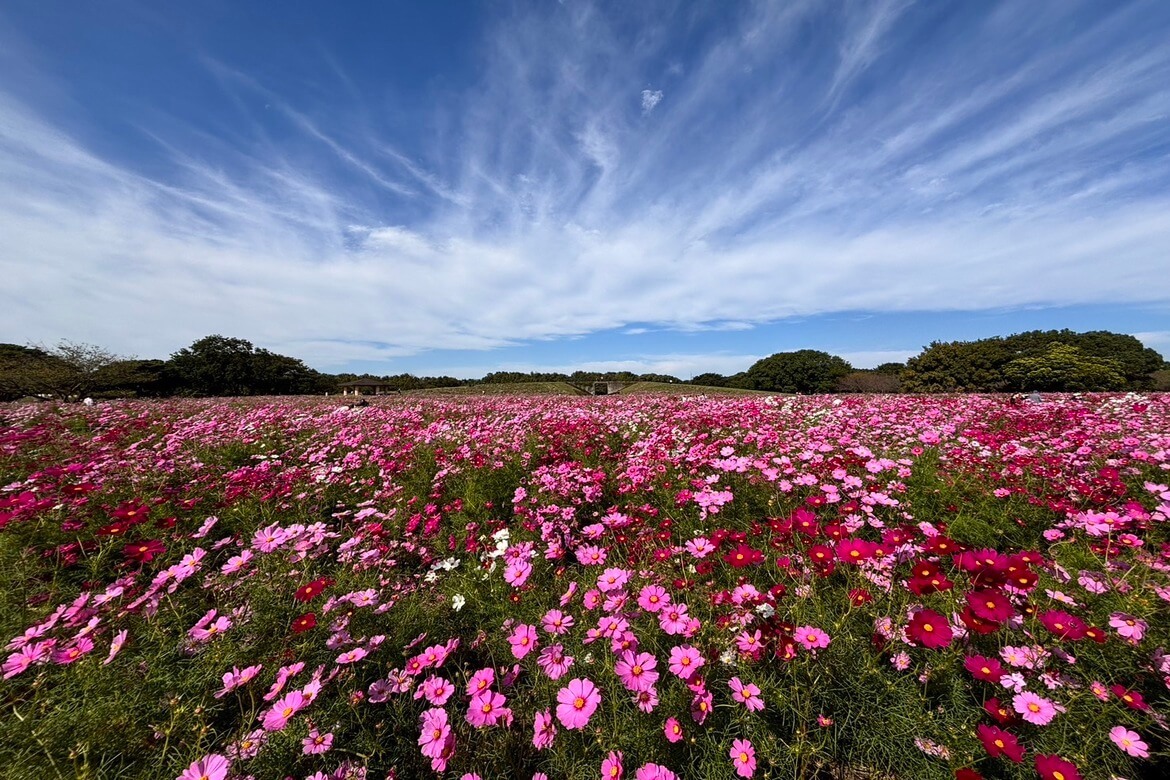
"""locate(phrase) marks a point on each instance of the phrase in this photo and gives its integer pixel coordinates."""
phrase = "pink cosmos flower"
(116, 645)
(672, 730)
(517, 573)
(317, 743)
(212, 767)
(553, 661)
(435, 734)
(748, 695)
(487, 709)
(646, 700)
(523, 640)
(612, 579)
(576, 703)
(436, 690)
(811, 637)
(653, 598)
(557, 622)
(20, 660)
(481, 681)
(67, 655)
(743, 756)
(1129, 741)
(654, 772)
(209, 626)
(352, 656)
(544, 731)
(636, 672)
(611, 767)
(1130, 628)
(248, 746)
(700, 547)
(685, 661)
(673, 618)
(1034, 709)
(591, 555)
(277, 718)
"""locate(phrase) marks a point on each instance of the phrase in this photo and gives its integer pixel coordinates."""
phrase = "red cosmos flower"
(132, 512)
(967, 774)
(932, 584)
(1053, 767)
(1063, 625)
(991, 605)
(930, 629)
(924, 570)
(304, 623)
(1096, 634)
(1005, 716)
(114, 529)
(998, 742)
(805, 522)
(942, 545)
(821, 556)
(977, 624)
(313, 589)
(144, 551)
(744, 555)
(984, 668)
(859, 596)
(1133, 699)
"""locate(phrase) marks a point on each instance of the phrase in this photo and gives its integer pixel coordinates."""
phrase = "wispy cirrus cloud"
(917, 162)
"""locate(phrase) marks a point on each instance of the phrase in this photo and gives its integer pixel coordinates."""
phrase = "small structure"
(368, 387)
(607, 388)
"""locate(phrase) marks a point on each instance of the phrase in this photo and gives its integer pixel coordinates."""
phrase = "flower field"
(559, 587)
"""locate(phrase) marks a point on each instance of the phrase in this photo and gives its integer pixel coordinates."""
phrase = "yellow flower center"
(579, 703)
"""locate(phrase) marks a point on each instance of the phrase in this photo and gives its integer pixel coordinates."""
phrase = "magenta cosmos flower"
(576, 703)
(746, 694)
(812, 638)
(277, 717)
(611, 767)
(654, 772)
(544, 731)
(637, 672)
(523, 640)
(212, 767)
(685, 661)
(743, 755)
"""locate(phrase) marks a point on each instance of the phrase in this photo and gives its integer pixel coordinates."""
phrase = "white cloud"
(1158, 340)
(650, 99)
(566, 215)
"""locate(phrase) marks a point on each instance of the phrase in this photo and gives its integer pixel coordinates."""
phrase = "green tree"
(709, 379)
(68, 371)
(219, 366)
(802, 371)
(1064, 368)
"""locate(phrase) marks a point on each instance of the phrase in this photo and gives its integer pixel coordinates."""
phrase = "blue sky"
(670, 187)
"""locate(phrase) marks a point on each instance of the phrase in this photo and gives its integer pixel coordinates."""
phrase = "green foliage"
(1064, 368)
(981, 366)
(221, 366)
(803, 371)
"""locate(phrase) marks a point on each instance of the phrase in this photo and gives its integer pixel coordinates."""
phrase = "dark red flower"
(930, 629)
(144, 551)
(967, 774)
(1005, 716)
(977, 624)
(132, 511)
(984, 668)
(1133, 699)
(114, 529)
(313, 589)
(990, 605)
(1053, 767)
(1063, 625)
(743, 555)
(855, 550)
(935, 583)
(304, 623)
(998, 742)
(859, 596)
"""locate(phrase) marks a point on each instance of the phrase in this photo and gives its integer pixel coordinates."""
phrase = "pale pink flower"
(553, 661)
(1129, 741)
(1128, 627)
(1034, 709)
(116, 645)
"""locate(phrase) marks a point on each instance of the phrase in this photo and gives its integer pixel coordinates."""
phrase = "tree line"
(1048, 361)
